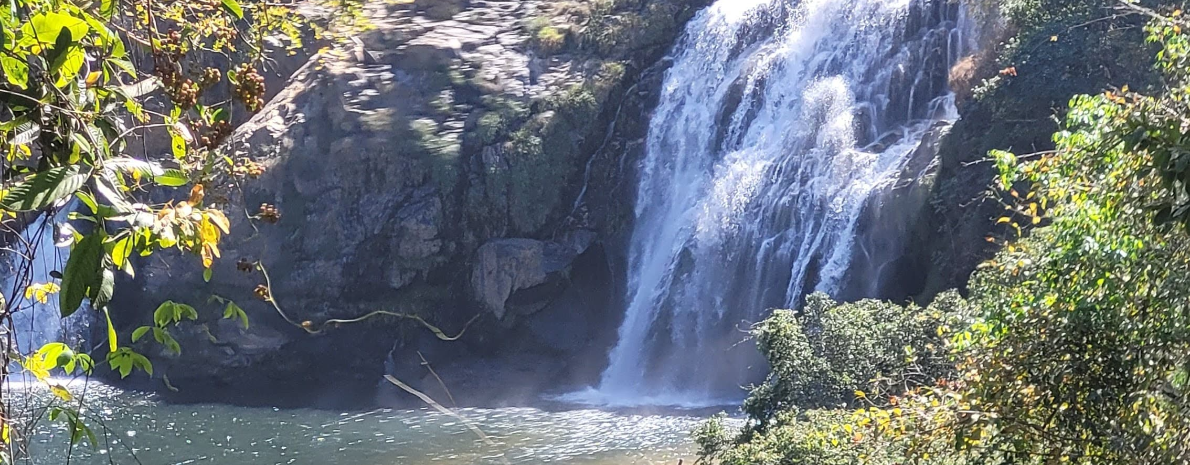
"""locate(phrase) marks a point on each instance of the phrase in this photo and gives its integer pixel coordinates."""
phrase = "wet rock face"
(441, 166)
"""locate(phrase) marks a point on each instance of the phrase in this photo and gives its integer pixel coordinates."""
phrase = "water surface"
(136, 424)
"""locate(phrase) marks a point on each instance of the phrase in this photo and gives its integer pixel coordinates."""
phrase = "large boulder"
(504, 266)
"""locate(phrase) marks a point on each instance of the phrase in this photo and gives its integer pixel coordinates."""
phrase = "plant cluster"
(825, 357)
(1081, 341)
(79, 81)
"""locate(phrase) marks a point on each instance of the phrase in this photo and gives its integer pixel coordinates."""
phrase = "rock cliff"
(458, 158)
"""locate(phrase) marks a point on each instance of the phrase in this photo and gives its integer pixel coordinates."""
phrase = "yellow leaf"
(1053, 38)
(36, 365)
(1003, 219)
(208, 258)
(860, 395)
(1124, 89)
(207, 232)
(219, 220)
(1036, 220)
(61, 392)
(40, 292)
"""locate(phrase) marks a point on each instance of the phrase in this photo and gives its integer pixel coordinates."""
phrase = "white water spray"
(779, 122)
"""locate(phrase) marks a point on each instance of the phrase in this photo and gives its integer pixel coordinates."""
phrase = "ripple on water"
(159, 433)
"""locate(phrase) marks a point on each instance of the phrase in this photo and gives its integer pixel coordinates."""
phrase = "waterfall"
(779, 122)
(34, 254)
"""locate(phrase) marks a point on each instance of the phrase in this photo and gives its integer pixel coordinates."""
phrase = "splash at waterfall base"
(790, 152)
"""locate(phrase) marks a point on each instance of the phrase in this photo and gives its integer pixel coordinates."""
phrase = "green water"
(135, 428)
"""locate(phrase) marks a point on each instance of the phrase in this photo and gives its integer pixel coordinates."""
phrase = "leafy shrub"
(1082, 351)
(536, 24)
(816, 437)
(828, 352)
(490, 127)
(549, 40)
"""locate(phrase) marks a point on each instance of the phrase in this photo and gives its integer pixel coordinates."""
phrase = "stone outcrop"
(444, 165)
(505, 266)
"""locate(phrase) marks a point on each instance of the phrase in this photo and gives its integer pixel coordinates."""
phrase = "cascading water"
(780, 121)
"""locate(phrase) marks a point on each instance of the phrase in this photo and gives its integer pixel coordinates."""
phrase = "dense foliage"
(825, 356)
(86, 89)
(1081, 344)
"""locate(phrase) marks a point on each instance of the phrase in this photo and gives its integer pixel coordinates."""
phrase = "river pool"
(131, 424)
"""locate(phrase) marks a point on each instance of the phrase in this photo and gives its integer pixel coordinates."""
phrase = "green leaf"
(140, 332)
(41, 190)
(106, 186)
(82, 269)
(185, 311)
(102, 293)
(233, 7)
(67, 64)
(206, 275)
(85, 362)
(47, 355)
(234, 311)
(113, 341)
(107, 8)
(44, 28)
(121, 250)
(16, 71)
(131, 165)
(164, 313)
(166, 339)
(124, 65)
(121, 361)
(172, 178)
(107, 38)
(141, 362)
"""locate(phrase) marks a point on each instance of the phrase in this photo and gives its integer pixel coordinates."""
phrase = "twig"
(309, 327)
(430, 401)
(426, 363)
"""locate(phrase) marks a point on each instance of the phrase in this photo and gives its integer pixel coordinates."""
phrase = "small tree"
(80, 80)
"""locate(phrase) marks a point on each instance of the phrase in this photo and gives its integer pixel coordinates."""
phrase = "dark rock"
(388, 203)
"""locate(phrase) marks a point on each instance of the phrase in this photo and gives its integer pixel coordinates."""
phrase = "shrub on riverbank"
(825, 357)
(1080, 350)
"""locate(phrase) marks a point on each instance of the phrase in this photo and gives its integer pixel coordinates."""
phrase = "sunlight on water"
(679, 401)
(130, 424)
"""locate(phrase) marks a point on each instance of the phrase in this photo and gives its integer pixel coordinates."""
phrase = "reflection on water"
(130, 424)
